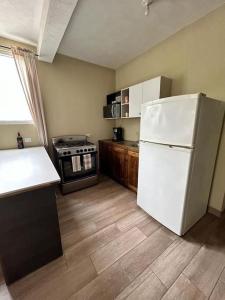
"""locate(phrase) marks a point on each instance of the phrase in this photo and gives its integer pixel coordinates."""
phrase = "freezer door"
(170, 121)
(162, 183)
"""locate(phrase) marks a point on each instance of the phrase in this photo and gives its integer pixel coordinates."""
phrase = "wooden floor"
(113, 250)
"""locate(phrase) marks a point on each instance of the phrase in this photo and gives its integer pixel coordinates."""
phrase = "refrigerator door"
(162, 183)
(170, 121)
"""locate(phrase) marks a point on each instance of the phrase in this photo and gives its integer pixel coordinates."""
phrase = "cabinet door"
(119, 164)
(151, 89)
(132, 166)
(105, 157)
(135, 100)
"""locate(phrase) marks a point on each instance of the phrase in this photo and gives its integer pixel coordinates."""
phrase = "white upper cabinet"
(134, 96)
(135, 100)
(151, 89)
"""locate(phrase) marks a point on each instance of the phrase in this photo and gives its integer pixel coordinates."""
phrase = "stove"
(76, 162)
(72, 144)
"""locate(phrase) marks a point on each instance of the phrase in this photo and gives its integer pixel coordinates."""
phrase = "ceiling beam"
(56, 15)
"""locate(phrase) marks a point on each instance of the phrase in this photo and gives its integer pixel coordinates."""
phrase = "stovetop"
(63, 144)
(72, 145)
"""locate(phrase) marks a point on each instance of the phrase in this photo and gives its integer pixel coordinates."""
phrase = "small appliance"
(112, 111)
(117, 134)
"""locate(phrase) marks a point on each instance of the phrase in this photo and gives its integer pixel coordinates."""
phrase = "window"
(13, 104)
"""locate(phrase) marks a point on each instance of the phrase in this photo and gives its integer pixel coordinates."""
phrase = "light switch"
(27, 140)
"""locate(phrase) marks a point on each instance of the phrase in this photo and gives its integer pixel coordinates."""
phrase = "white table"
(25, 169)
(29, 227)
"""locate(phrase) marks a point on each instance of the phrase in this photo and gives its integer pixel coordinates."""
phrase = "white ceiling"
(105, 32)
(113, 32)
(20, 20)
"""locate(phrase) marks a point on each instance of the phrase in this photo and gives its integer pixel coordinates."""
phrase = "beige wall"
(8, 134)
(73, 94)
(195, 59)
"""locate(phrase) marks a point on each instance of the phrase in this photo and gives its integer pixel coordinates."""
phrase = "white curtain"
(26, 66)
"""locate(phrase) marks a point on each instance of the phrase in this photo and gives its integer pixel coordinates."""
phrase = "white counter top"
(24, 169)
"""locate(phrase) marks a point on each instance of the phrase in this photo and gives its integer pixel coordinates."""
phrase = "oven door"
(66, 168)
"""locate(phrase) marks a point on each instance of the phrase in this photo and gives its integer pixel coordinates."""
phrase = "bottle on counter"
(19, 139)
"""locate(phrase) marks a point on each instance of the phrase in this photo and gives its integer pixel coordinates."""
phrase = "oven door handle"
(112, 111)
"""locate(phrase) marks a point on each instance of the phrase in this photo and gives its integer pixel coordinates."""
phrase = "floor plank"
(106, 286)
(219, 291)
(169, 265)
(148, 226)
(115, 216)
(107, 255)
(93, 211)
(35, 279)
(222, 276)
(82, 197)
(114, 213)
(145, 286)
(151, 288)
(139, 258)
(202, 229)
(205, 269)
(90, 244)
(183, 289)
(64, 285)
(78, 234)
(131, 220)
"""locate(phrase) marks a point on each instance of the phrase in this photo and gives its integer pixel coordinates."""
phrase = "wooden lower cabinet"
(105, 157)
(119, 162)
(132, 168)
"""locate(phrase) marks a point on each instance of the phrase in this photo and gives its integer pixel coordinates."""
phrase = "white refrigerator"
(179, 138)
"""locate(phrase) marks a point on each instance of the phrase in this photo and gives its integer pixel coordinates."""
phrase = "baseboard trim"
(215, 212)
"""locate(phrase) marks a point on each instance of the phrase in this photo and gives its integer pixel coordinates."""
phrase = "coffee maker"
(117, 134)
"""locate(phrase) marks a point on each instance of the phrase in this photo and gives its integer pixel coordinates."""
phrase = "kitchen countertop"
(25, 169)
(131, 145)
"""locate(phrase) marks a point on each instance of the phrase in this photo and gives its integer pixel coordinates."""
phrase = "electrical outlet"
(27, 140)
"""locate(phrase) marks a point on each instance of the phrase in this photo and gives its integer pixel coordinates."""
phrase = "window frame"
(8, 122)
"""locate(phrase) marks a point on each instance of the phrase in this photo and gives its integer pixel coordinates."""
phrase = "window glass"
(13, 104)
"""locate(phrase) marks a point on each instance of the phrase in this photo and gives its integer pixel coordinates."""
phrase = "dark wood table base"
(29, 232)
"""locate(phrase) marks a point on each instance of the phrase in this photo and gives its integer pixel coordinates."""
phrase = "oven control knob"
(81, 150)
(93, 149)
(77, 151)
(85, 150)
(68, 152)
(64, 153)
